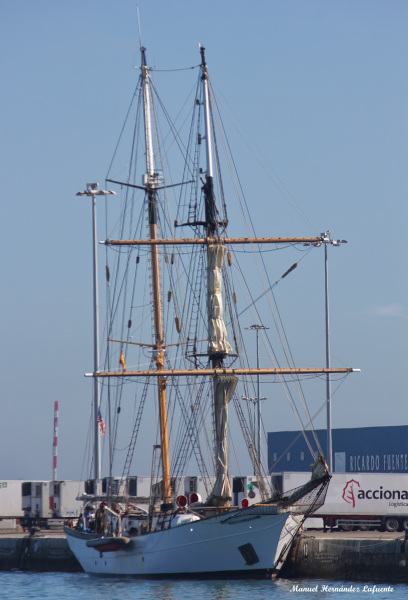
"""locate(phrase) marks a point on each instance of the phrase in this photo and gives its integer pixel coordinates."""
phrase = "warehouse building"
(355, 450)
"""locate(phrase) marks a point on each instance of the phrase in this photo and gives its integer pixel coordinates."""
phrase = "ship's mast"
(151, 181)
(218, 346)
(215, 250)
(210, 211)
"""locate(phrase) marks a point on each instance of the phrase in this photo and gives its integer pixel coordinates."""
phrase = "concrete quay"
(349, 556)
(43, 551)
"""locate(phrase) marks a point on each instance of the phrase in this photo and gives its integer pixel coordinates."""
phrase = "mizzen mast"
(151, 180)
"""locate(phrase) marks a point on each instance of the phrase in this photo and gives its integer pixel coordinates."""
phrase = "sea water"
(19, 585)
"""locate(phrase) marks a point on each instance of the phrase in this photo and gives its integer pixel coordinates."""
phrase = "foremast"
(218, 346)
(151, 183)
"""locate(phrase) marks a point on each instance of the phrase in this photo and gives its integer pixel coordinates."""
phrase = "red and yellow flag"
(122, 361)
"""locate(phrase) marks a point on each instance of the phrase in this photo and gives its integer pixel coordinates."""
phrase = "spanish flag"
(122, 361)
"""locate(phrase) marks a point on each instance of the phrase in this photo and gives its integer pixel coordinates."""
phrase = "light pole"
(258, 399)
(92, 190)
(326, 239)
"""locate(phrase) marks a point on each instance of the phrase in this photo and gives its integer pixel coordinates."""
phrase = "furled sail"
(224, 385)
(224, 388)
(217, 333)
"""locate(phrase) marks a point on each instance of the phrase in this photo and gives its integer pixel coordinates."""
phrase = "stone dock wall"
(36, 553)
(338, 557)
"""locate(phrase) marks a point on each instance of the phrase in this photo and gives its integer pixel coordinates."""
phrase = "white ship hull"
(239, 545)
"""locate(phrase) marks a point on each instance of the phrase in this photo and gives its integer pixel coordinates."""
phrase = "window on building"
(288, 456)
(302, 456)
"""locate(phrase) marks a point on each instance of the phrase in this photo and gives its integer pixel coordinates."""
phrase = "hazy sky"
(321, 85)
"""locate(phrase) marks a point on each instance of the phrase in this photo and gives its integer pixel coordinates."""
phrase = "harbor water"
(19, 585)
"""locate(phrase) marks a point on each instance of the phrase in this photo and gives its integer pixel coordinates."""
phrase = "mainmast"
(218, 346)
(151, 182)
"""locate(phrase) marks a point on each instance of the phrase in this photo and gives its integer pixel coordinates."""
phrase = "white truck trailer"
(360, 500)
(44, 500)
(63, 498)
(10, 499)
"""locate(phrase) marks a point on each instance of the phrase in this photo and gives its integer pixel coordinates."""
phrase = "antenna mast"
(139, 28)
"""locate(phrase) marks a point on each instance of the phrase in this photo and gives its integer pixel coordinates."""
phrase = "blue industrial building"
(355, 450)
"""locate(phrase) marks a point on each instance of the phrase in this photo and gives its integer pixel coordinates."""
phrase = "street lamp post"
(327, 239)
(92, 190)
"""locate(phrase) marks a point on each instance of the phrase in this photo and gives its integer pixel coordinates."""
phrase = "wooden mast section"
(151, 182)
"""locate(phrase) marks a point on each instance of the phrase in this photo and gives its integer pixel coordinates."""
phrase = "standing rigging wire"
(291, 400)
(114, 410)
(135, 432)
(296, 378)
(114, 301)
(194, 161)
(189, 426)
(194, 300)
(227, 288)
(123, 293)
(265, 164)
(176, 138)
(273, 285)
(135, 95)
(276, 361)
(285, 346)
(113, 297)
(302, 432)
(217, 159)
(187, 441)
(241, 195)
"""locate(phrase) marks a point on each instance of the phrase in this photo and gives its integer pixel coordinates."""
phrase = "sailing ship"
(194, 348)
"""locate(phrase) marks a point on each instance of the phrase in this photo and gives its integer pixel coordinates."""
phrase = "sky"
(322, 88)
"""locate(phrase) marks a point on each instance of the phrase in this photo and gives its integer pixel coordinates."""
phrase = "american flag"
(102, 427)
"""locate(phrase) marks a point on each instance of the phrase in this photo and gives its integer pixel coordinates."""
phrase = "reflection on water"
(18, 585)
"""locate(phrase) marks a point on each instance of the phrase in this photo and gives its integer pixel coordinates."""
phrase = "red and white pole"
(55, 443)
